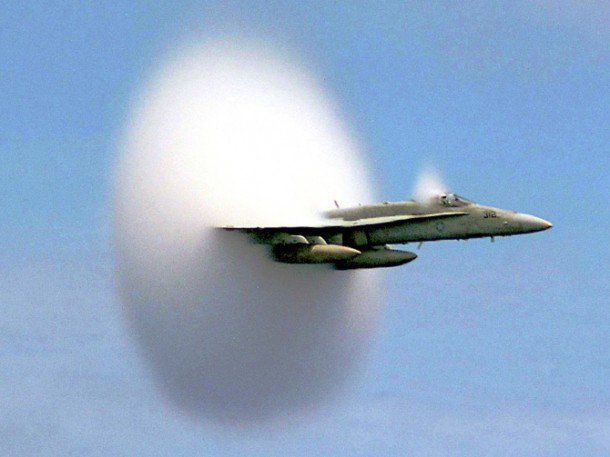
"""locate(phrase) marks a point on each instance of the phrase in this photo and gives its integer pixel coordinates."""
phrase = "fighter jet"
(360, 237)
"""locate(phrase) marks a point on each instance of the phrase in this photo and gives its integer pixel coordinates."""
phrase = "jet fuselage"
(467, 220)
(359, 237)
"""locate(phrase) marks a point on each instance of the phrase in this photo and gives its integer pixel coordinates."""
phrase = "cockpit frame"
(452, 200)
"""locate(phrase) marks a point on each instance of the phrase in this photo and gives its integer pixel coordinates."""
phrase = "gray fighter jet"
(359, 237)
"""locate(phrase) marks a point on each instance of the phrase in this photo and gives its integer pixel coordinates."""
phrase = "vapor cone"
(234, 134)
(429, 185)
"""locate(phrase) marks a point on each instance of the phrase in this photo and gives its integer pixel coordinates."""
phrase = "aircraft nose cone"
(530, 223)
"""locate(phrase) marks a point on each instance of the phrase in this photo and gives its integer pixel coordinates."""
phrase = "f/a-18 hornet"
(359, 237)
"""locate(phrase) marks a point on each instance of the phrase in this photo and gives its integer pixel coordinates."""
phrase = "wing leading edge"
(266, 234)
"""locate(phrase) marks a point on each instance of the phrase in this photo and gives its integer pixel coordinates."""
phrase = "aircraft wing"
(268, 235)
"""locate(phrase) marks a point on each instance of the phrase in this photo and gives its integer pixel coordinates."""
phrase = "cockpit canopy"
(453, 200)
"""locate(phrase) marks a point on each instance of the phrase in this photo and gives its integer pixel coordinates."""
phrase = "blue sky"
(482, 349)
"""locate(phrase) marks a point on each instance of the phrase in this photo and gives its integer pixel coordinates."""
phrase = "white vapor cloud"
(429, 185)
(229, 133)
